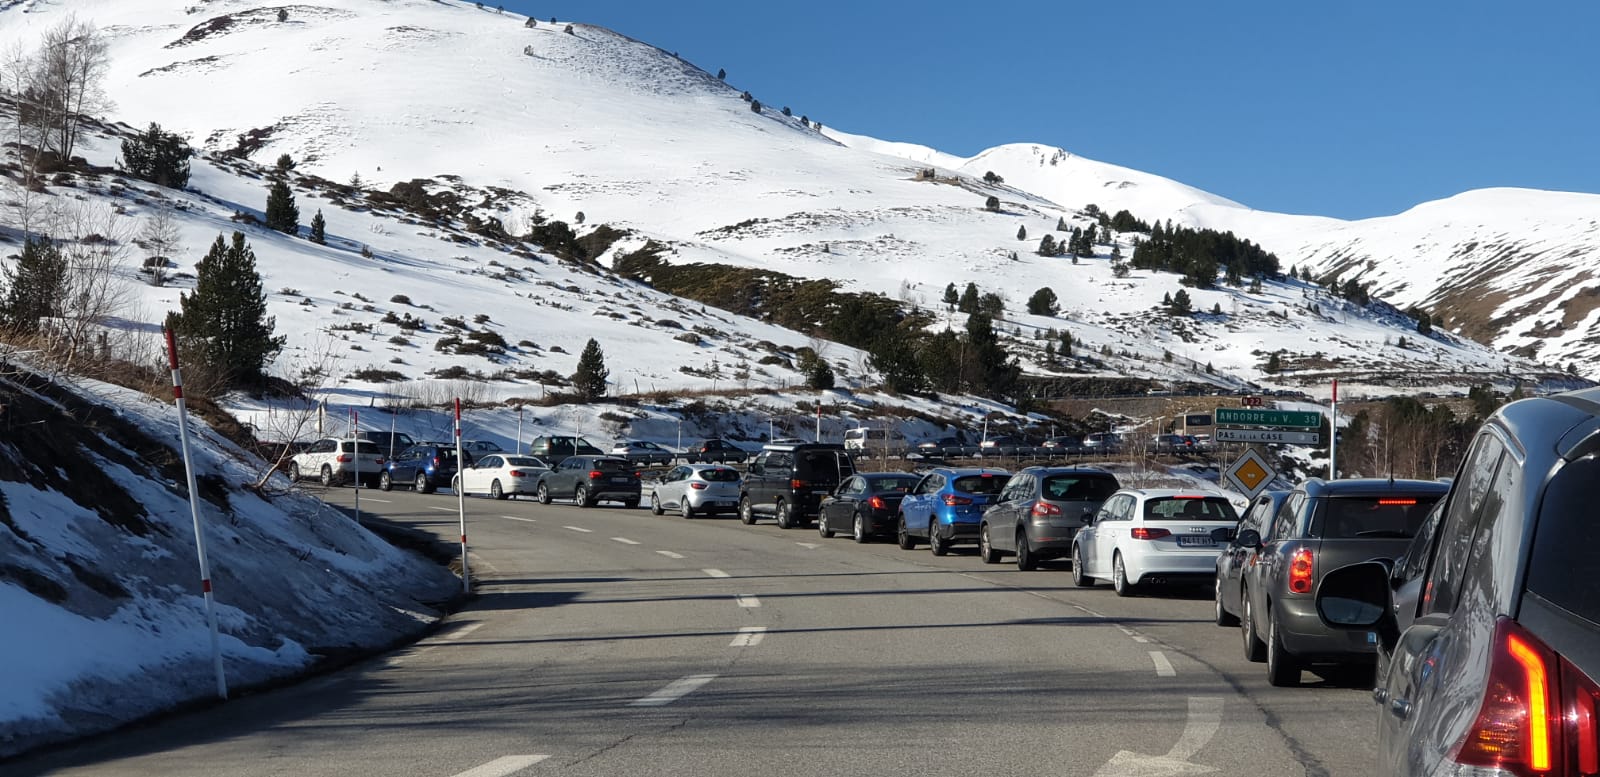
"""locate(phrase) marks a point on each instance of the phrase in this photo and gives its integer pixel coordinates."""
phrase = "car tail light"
(595, 474)
(516, 473)
(1406, 502)
(1044, 510)
(1145, 533)
(344, 458)
(953, 500)
(638, 474)
(435, 461)
(798, 484)
(380, 460)
(1582, 697)
(877, 503)
(1301, 567)
(1518, 724)
(698, 486)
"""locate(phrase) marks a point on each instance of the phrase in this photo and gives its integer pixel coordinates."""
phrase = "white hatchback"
(502, 475)
(696, 489)
(1151, 535)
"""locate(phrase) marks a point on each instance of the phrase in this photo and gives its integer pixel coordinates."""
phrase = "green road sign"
(1249, 417)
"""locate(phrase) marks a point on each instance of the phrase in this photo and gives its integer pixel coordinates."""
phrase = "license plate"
(1195, 541)
(620, 479)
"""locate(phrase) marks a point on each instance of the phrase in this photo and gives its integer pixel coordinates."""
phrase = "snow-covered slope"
(556, 120)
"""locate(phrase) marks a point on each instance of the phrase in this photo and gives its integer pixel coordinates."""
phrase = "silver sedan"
(696, 489)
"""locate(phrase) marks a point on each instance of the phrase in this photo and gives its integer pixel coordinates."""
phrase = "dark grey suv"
(1489, 626)
(1039, 512)
(587, 480)
(1322, 525)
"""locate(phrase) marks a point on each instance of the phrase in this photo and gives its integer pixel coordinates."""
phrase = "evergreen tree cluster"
(35, 287)
(224, 322)
(160, 157)
(1199, 254)
(1044, 302)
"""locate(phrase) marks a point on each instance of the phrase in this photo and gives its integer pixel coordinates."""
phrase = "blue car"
(946, 506)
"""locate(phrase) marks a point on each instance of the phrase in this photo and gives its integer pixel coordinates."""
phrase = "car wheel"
(1223, 617)
(421, 485)
(937, 544)
(822, 527)
(906, 541)
(384, 483)
(860, 530)
(1026, 561)
(294, 472)
(455, 484)
(785, 517)
(684, 508)
(496, 491)
(1080, 577)
(1283, 669)
(580, 497)
(543, 494)
(327, 476)
(1255, 650)
(747, 514)
(1119, 578)
(655, 504)
(986, 551)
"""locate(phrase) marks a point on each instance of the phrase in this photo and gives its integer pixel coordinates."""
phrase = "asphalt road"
(608, 642)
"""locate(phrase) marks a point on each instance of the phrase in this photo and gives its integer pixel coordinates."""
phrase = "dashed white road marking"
(519, 518)
(670, 554)
(1163, 666)
(1133, 635)
(502, 766)
(715, 573)
(811, 545)
(624, 540)
(673, 691)
(442, 509)
(463, 631)
(579, 528)
(749, 636)
(747, 600)
(380, 501)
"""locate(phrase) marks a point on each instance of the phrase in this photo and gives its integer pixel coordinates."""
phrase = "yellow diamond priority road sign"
(1249, 474)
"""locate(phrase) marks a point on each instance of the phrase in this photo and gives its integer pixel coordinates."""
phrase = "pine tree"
(35, 287)
(969, 299)
(283, 14)
(992, 204)
(1047, 245)
(1424, 323)
(992, 371)
(722, 74)
(1273, 364)
(1061, 223)
(951, 296)
(282, 214)
(284, 165)
(1022, 232)
(819, 375)
(1066, 344)
(319, 227)
(1044, 302)
(162, 158)
(224, 322)
(589, 380)
(1181, 304)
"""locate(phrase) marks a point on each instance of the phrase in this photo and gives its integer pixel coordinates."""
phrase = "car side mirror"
(1249, 538)
(1357, 597)
(1223, 534)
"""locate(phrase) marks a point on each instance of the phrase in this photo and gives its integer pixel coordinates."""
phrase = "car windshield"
(981, 484)
(368, 448)
(1086, 487)
(1395, 516)
(1189, 508)
(720, 475)
(898, 485)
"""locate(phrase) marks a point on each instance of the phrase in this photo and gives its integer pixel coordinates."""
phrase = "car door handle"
(1400, 708)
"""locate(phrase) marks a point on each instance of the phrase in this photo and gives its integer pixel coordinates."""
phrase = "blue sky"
(1352, 108)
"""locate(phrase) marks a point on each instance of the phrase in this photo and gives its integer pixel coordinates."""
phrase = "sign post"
(461, 505)
(194, 510)
(1333, 435)
(1247, 417)
(355, 453)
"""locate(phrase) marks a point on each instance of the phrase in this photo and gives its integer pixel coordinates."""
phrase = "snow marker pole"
(461, 504)
(1333, 435)
(355, 451)
(194, 510)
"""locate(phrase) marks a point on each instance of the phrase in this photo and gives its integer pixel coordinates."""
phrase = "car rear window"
(901, 485)
(1086, 487)
(824, 466)
(1565, 569)
(1189, 508)
(981, 484)
(522, 461)
(368, 448)
(612, 465)
(1371, 517)
(720, 475)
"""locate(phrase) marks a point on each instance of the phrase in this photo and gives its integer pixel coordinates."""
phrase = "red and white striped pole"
(194, 510)
(355, 452)
(461, 504)
(1333, 435)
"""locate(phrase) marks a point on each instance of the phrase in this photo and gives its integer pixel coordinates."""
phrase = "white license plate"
(1195, 541)
(620, 479)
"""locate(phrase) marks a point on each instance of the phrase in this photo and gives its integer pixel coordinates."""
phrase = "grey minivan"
(1039, 512)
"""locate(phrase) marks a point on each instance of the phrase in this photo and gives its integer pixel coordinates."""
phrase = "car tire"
(1222, 616)
(384, 482)
(543, 494)
(1255, 651)
(986, 550)
(785, 516)
(936, 544)
(294, 472)
(747, 513)
(327, 477)
(859, 530)
(1080, 578)
(496, 491)
(1119, 577)
(455, 484)
(580, 497)
(1283, 669)
(655, 504)
(903, 537)
(822, 527)
(421, 485)
(684, 508)
(1026, 560)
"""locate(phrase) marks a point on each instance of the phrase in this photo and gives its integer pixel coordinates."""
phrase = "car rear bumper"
(956, 532)
(702, 501)
(1305, 636)
(1050, 542)
(1170, 566)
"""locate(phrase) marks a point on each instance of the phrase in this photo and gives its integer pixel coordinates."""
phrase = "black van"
(789, 480)
(555, 449)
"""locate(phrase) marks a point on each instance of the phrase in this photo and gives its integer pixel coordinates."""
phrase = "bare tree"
(65, 83)
(161, 240)
(17, 67)
(95, 242)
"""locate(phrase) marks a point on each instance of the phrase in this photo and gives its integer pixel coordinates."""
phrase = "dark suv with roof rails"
(1488, 627)
(789, 480)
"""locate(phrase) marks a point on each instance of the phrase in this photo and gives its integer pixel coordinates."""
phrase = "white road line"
(579, 528)
(462, 632)
(670, 554)
(716, 573)
(749, 636)
(811, 545)
(519, 518)
(502, 766)
(747, 600)
(442, 509)
(1163, 666)
(1134, 635)
(624, 540)
(674, 691)
(1202, 723)
(380, 501)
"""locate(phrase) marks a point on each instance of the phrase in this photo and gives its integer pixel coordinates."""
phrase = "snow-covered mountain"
(520, 119)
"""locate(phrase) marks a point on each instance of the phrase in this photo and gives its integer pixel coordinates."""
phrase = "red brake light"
(1517, 725)
(1301, 567)
(953, 500)
(697, 486)
(1144, 533)
(1397, 501)
(1044, 509)
(1582, 696)
(516, 473)
(876, 503)
(595, 474)
(343, 458)
(797, 484)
